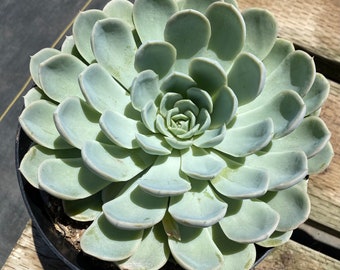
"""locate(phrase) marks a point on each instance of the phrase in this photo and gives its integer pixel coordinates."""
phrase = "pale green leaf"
(246, 78)
(284, 168)
(87, 209)
(158, 56)
(152, 253)
(37, 122)
(196, 249)
(82, 30)
(119, 129)
(101, 91)
(241, 182)
(165, 178)
(135, 209)
(227, 30)
(181, 31)
(249, 221)
(151, 16)
(206, 209)
(115, 163)
(261, 31)
(109, 243)
(200, 164)
(77, 122)
(69, 179)
(59, 76)
(292, 204)
(36, 155)
(114, 48)
(242, 141)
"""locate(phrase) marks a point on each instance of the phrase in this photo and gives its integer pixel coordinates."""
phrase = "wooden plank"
(312, 25)
(31, 253)
(324, 188)
(293, 256)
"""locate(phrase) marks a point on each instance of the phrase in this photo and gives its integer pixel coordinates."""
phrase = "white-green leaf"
(284, 168)
(227, 30)
(196, 249)
(34, 94)
(292, 204)
(149, 115)
(321, 160)
(135, 209)
(310, 136)
(36, 155)
(39, 58)
(82, 30)
(109, 243)
(151, 16)
(101, 91)
(181, 31)
(286, 109)
(296, 72)
(174, 182)
(208, 74)
(281, 49)
(177, 82)
(69, 179)
(37, 122)
(211, 138)
(236, 256)
(77, 122)
(158, 56)
(68, 46)
(276, 239)
(200, 164)
(257, 220)
(201, 98)
(87, 209)
(120, 129)
(242, 141)
(178, 143)
(205, 208)
(152, 253)
(115, 163)
(317, 95)
(241, 182)
(261, 31)
(145, 88)
(224, 107)
(246, 78)
(121, 9)
(153, 144)
(200, 6)
(114, 48)
(59, 76)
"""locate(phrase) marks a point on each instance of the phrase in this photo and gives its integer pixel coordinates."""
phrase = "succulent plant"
(178, 127)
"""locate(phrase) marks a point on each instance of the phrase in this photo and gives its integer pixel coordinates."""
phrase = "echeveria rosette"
(178, 127)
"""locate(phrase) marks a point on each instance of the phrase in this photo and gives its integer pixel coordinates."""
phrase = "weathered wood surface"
(324, 189)
(315, 27)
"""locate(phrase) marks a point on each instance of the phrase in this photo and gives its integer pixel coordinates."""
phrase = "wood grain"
(314, 25)
(324, 188)
(293, 256)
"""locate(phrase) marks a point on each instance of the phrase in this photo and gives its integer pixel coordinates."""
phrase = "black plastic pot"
(36, 206)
